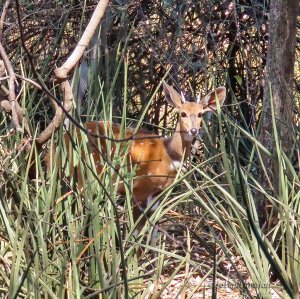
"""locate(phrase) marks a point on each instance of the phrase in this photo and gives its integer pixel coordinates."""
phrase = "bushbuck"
(156, 159)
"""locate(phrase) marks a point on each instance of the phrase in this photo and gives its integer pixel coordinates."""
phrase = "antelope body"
(156, 159)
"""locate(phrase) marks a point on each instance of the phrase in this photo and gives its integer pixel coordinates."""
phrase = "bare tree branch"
(89, 32)
(59, 114)
(62, 72)
(11, 95)
(6, 105)
(2, 69)
(29, 81)
(3, 15)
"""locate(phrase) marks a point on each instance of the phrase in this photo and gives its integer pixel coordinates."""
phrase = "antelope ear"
(172, 96)
(209, 102)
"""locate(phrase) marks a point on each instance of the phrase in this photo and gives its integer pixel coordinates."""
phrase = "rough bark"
(278, 86)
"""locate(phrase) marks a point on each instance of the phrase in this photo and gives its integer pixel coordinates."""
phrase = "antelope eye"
(183, 114)
(199, 114)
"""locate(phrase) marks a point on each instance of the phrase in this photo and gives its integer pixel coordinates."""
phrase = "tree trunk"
(278, 86)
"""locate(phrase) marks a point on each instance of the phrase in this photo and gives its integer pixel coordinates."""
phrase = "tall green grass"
(61, 242)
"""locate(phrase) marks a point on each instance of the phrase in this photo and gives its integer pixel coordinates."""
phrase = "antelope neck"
(179, 144)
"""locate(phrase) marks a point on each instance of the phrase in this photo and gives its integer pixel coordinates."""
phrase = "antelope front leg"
(140, 205)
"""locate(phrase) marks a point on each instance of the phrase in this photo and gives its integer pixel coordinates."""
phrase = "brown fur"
(154, 158)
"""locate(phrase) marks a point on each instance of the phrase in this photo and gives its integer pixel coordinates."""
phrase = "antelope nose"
(194, 131)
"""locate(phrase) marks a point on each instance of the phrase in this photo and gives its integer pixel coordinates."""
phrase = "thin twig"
(89, 32)
(64, 108)
(29, 81)
(2, 69)
(11, 84)
(5, 8)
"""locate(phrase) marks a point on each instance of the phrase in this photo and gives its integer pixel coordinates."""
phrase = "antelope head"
(190, 113)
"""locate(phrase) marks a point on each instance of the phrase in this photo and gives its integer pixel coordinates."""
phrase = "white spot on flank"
(142, 143)
(175, 165)
(149, 173)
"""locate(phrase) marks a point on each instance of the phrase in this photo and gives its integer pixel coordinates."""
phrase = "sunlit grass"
(58, 241)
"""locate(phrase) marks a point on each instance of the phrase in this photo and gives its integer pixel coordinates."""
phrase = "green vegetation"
(57, 241)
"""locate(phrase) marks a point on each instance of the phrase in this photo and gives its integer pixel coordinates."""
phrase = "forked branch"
(62, 73)
(16, 118)
(8, 99)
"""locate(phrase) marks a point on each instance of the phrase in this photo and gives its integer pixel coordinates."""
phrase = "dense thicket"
(204, 43)
(57, 240)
